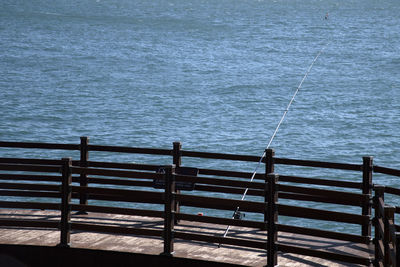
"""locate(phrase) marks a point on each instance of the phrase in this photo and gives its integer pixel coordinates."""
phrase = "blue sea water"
(216, 75)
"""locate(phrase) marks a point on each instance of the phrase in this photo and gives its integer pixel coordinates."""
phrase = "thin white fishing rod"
(276, 131)
(294, 96)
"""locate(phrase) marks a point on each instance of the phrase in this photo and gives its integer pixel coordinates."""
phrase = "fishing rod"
(274, 134)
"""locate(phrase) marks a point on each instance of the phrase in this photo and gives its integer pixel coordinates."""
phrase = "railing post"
(269, 160)
(389, 215)
(272, 212)
(379, 193)
(367, 189)
(83, 198)
(177, 160)
(176, 154)
(169, 212)
(65, 202)
(269, 168)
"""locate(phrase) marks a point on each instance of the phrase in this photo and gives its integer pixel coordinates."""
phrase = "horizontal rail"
(359, 198)
(29, 205)
(132, 199)
(217, 181)
(315, 181)
(282, 195)
(122, 194)
(384, 170)
(221, 221)
(127, 166)
(320, 199)
(44, 187)
(228, 190)
(323, 234)
(221, 240)
(19, 193)
(119, 182)
(40, 145)
(31, 161)
(30, 177)
(200, 187)
(220, 203)
(116, 173)
(318, 164)
(29, 223)
(392, 190)
(133, 150)
(236, 174)
(195, 154)
(29, 168)
(324, 215)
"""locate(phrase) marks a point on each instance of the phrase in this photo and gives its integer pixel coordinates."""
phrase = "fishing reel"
(239, 215)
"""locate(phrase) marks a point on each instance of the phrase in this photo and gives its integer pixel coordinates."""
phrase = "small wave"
(237, 88)
(54, 14)
(50, 14)
(395, 61)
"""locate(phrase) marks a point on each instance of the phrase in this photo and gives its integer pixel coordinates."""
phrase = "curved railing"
(134, 183)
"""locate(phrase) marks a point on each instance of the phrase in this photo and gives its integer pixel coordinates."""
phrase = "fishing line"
(276, 131)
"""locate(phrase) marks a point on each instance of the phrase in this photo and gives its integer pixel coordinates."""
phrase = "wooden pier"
(55, 208)
(183, 248)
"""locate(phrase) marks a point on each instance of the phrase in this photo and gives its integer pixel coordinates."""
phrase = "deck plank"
(183, 248)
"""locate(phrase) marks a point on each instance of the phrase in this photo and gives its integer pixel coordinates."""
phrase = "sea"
(216, 75)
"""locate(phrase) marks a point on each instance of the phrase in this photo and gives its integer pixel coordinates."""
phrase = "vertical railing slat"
(272, 211)
(269, 168)
(379, 194)
(389, 216)
(367, 189)
(397, 249)
(169, 211)
(83, 181)
(65, 203)
(177, 161)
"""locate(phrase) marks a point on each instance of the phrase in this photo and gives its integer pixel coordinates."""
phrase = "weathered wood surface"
(186, 249)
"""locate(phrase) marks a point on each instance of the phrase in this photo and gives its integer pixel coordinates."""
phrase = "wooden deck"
(184, 249)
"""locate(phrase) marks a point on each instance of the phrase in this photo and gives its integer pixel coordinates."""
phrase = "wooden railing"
(388, 231)
(386, 238)
(86, 180)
